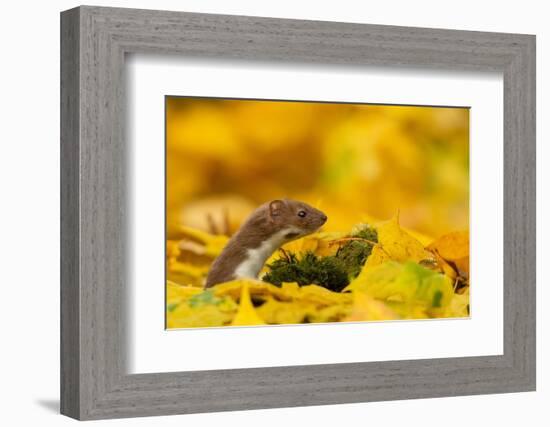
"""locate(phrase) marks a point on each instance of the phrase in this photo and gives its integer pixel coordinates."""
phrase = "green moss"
(331, 272)
(365, 231)
(328, 272)
(354, 253)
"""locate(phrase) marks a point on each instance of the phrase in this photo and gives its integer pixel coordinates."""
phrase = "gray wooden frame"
(94, 41)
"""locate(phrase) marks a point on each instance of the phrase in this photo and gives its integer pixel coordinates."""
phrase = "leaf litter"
(372, 273)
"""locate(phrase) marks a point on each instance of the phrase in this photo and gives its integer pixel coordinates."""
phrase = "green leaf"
(171, 307)
(204, 298)
(409, 285)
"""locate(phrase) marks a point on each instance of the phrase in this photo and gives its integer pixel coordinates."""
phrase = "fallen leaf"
(256, 288)
(331, 313)
(184, 316)
(398, 244)
(454, 245)
(378, 256)
(190, 307)
(459, 306)
(322, 296)
(187, 273)
(454, 249)
(246, 315)
(213, 244)
(176, 293)
(401, 279)
(367, 308)
(276, 312)
(407, 284)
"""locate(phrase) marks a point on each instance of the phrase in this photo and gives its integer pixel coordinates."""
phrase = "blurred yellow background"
(355, 162)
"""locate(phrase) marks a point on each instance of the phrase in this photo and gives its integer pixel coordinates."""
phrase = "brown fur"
(264, 222)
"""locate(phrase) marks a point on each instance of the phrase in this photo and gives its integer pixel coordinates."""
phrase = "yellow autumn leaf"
(277, 312)
(331, 313)
(367, 308)
(421, 237)
(459, 306)
(408, 285)
(308, 243)
(398, 244)
(378, 256)
(444, 266)
(190, 307)
(184, 316)
(213, 243)
(172, 249)
(411, 309)
(454, 245)
(176, 292)
(231, 288)
(194, 273)
(454, 248)
(322, 296)
(256, 288)
(319, 243)
(290, 290)
(246, 315)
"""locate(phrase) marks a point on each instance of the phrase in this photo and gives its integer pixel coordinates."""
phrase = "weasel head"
(294, 219)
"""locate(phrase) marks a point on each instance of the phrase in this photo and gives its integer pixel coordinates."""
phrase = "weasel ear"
(276, 208)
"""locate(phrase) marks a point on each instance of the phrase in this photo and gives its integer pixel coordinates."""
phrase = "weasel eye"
(302, 214)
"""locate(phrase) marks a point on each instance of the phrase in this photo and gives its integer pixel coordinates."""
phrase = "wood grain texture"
(94, 269)
(70, 291)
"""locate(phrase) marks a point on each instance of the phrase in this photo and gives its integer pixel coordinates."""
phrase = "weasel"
(269, 227)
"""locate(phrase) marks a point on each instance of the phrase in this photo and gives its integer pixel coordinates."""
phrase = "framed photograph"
(231, 165)
(261, 213)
